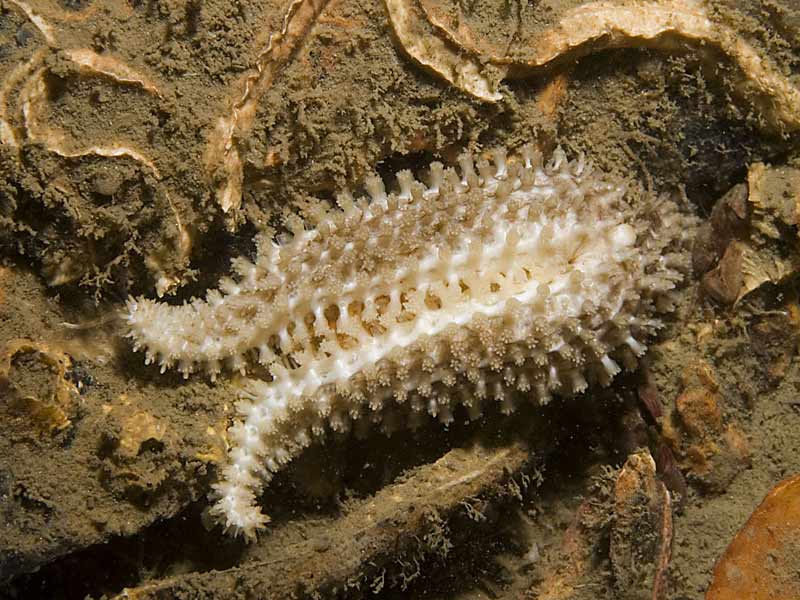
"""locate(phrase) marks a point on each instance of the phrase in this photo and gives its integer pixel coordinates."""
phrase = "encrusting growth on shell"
(506, 276)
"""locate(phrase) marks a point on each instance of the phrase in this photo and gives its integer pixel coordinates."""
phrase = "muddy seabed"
(145, 142)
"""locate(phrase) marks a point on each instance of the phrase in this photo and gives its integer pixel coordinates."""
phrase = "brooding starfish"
(517, 279)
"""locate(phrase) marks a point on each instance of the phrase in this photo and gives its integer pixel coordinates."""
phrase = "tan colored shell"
(477, 68)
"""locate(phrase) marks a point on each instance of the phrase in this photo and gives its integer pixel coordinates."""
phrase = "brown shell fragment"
(224, 164)
(774, 339)
(729, 220)
(26, 98)
(641, 534)
(94, 63)
(452, 50)
(33, 381)
(725, 282)
(441, 56)
(670, 474)
(748, 235)
(761, 561)
(39, 22)
(711, 450)
(34, 99)
(138, 429)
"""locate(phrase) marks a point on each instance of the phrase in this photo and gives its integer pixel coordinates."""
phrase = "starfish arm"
(512, 276)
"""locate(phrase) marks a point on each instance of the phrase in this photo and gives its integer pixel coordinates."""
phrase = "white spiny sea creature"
(506, 281)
